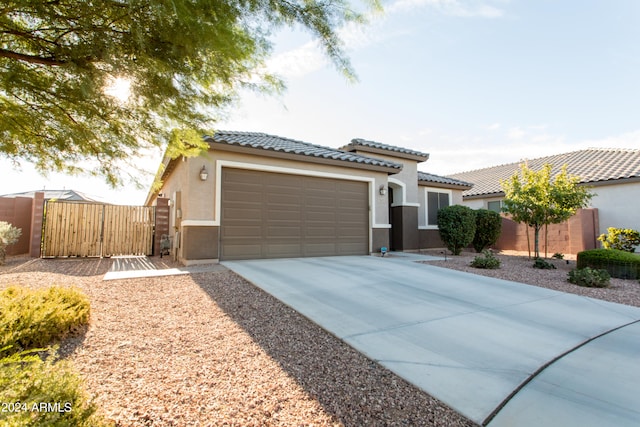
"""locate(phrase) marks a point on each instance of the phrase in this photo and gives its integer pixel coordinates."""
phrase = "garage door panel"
(242, 231)
(284, 231)
(277, 215)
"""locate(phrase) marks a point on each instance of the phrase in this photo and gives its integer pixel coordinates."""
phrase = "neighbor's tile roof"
(66, 195)
(286, 145)
(594, 165)
(359, 142)
(437, 179)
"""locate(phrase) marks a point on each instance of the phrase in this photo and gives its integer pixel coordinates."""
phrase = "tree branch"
(32, 59)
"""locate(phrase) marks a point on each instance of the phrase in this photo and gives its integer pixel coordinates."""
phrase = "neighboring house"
(254, 195)
(62, 195)
(613, 174)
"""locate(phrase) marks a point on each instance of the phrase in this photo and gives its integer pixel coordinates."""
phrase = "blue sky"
(473, 83)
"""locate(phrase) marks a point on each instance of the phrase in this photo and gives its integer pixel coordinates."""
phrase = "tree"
(488, 228)
(457, 226)
(185, 61)
(537, 199)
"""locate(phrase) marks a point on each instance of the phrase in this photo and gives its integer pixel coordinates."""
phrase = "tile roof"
(359, 142)
(428, 177)
(264, 141)
(593, 165)
(66, 195)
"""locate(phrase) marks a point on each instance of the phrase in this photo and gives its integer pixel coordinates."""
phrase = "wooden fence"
(96, 230)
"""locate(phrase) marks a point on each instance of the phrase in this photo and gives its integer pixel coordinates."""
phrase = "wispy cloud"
(457, 152)
(308, 57)
(460, 8)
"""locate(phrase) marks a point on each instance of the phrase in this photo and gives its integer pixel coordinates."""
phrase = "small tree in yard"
(536, 199)
(622, 239)
(457, 226)
(488, 228)
(8, 236)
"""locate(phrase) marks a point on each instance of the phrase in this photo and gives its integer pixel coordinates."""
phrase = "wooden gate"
(96, 230)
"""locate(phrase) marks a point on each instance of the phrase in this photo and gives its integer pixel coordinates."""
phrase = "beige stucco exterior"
(195, 205)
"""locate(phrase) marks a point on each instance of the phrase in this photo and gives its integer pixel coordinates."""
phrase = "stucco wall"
(17, 212)
(618, 205)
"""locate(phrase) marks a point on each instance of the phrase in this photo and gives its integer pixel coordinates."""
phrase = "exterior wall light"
(204, 174)
(383, 190)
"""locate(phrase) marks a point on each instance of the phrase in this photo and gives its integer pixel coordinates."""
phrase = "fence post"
(162, 222)
(37, 212)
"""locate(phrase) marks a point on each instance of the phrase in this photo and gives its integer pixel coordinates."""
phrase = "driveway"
(499, 352)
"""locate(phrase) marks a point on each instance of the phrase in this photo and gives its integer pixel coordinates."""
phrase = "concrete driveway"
(501, 353)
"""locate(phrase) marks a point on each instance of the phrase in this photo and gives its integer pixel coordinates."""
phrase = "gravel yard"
(518, 267)
(210, 349)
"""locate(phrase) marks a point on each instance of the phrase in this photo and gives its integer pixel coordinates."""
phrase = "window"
(495, 206)
(435, 202)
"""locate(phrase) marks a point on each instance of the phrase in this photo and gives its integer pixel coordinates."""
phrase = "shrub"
(589, 277)
(8, 236)
(622, 239)
(620, 264)
(34, 318)
(557, 255)
(487, 260)
(488, 228)
(543, 264)
(43, 393)
(457, 226)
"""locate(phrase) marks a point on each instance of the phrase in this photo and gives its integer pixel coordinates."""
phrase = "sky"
(474, 83)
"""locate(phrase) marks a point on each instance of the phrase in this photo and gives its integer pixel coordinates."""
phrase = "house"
(254, 195)
(613, 174)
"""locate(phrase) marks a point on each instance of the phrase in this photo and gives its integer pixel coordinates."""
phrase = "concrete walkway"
(134, 267)
(479, 344)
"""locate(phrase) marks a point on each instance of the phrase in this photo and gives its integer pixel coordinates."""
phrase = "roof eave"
(220, 146)
(445, 185)
(391, 153)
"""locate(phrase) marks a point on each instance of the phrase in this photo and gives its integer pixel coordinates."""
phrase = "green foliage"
(543, 264)
(34, 318)
(557, 255)
(623, 239)
(488, 260)
(537, 199)
(185, 61)
(589, 277)
(620, 264)
(457, 226)
(8, 236)
(488, 228)
(44, 393)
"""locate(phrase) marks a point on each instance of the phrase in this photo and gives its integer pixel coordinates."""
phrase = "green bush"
(457, 226)
(543, 264)
(622, 239)
(8, 236)
(558, 255)
(620, 264)
(35, 318)
(42, 393)
(487, 260)
(589, 277)
(488, 228)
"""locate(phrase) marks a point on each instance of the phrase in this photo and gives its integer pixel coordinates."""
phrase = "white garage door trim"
(294, 171)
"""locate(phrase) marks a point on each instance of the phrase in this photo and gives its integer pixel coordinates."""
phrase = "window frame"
(428, 190)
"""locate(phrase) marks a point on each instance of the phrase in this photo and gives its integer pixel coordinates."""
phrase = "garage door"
(272, 215)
